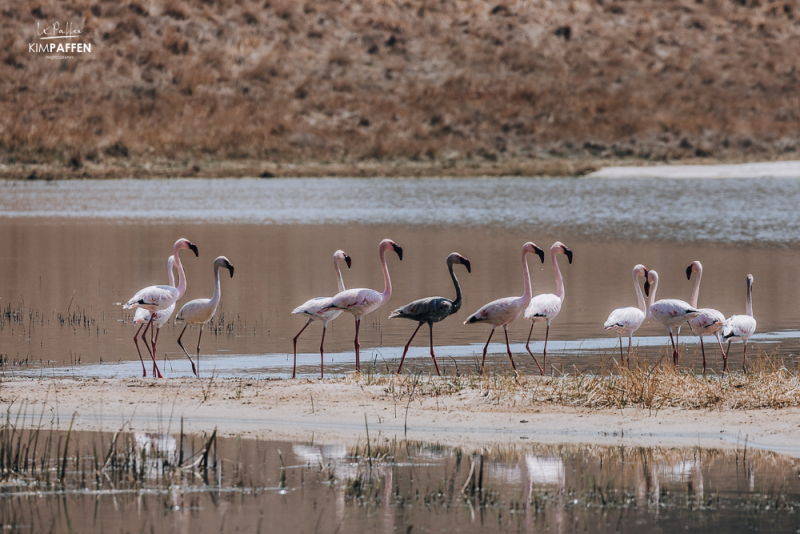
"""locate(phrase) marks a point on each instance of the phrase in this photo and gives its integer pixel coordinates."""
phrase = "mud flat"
(345, 410)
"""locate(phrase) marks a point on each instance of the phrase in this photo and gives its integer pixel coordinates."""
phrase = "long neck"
(181, 274)
(696, 289)
(639, 294)
(526, 277)
(457, 302)
(559, 278)
(653, 292)
(339, 279)
(387, 282)
(216, 296)
(749, 301)
(171, 275)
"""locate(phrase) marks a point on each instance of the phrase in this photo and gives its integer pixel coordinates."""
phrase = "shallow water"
(386, 485)
(70, 252)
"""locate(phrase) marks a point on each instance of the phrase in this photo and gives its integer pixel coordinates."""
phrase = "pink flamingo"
(142, 316)
(501, 312)
(362, 301)
(741, 327)
(154, 298)
(546, 307)
(670, 313)
(313, 309)
(708, 321)
(626, 321)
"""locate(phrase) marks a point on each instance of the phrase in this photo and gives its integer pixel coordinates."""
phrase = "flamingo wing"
(197, 311)
(430, 309)
(625, 320)
(738, 327)
(545, 306)
(355, 300)
(156, 297)
(498, 312)
(707, 321)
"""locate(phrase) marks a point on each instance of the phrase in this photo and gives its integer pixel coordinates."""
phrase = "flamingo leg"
(485, 348)
(630, 342)
(621, 357)
(678, 346)
(406, 349)
(184, 349)
(674, 350)
(322, 352)
(135, 342)
(156, 372)
(546, 335)
(155, 354)
(430, 326)
(508, 348)
(725, 357)
(358, 346)
(744, 357)
(528, 346)
(703, 350)
(198, 349)
(294, 342)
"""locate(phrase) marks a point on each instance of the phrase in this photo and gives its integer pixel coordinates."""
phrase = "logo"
(57, 39)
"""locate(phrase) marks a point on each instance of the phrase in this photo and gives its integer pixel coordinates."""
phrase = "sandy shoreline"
(305, 410)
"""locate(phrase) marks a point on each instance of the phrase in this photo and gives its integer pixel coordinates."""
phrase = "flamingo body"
(741, 327)
(625, 321)
(670, 313)
(543, 308)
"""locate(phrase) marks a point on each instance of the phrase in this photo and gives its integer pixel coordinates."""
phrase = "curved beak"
(568, 252)
(230, 268)
(193, 248)
(689, 272)
(347, 260)
(399, 250)
(465, 262)
(647, 288)
(540, 253)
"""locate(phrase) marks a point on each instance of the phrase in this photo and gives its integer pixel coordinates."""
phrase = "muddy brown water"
(70, 253)
(161, 483)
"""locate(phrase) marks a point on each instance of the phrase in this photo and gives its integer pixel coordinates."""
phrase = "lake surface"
(71, 252)
(170, 482)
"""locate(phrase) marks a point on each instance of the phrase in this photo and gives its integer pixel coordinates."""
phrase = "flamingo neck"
(171, 275)
(457, 302)
(696, 289)
(339, 279)
(526, 278)
(749, 301)
(215, 298)
(639, 294)
(181, 274)
(559, 278)
(387, 282)
(653, 291)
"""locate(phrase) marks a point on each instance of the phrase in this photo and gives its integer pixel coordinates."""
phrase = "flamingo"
(142, 316)
(154, 298)
(546, 307)
(670, 313)
(503, 311)
(626, 321)
(313, 308)
(362, 301)
(740, 327)
(709, 321)
(432, 309)
(200, 311)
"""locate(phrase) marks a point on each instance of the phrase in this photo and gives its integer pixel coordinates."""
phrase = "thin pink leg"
(198, 350)
(725, 358)
(294, 342)
(744, 357)
(157, 373)
(155, 353)
(430, 326)
(508, 348)
(528, 346)
(194, 371)
(546, 335)
(485, 348)
(407, 345)
(136, 342)
(322, 352)
(703, 350)
(358, 346)
(630, 342)
(674, 350)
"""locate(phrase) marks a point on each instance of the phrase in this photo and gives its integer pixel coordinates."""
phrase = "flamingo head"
(388, 244)
(640, 270)
(531, 248)
(561, 248)
(342, 255)
(222, 261)
(455, 257)
(750, 281)
(652, 279)
(185, 243)
(695, 267)
(171, 262)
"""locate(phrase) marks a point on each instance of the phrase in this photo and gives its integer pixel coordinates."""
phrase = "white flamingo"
(709, 321)
(740, 327)
(626, 321)
(314, 310)
(142, 316)
(546, 307)
(362, 301)
(503, 311)
(200, 311)
(156, 298)
(670, 313)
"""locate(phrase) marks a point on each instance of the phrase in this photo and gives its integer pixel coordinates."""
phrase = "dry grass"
(768, 383)
(198, 82)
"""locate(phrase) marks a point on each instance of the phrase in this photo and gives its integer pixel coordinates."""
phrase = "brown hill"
(186, 84)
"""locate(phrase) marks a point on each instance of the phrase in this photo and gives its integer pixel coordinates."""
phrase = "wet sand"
(341, 411)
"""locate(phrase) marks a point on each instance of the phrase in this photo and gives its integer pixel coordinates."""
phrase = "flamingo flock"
(154, 306)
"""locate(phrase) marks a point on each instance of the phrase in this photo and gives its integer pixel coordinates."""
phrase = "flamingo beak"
(193, 248)
(347, 260)
(689, 272)
(647, 288)
(540, 253)
(399, 250)
(230, 268)
(568, 252)
(465, 262)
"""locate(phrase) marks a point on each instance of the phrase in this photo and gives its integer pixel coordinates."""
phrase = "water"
(85, 246)
(160, 482)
